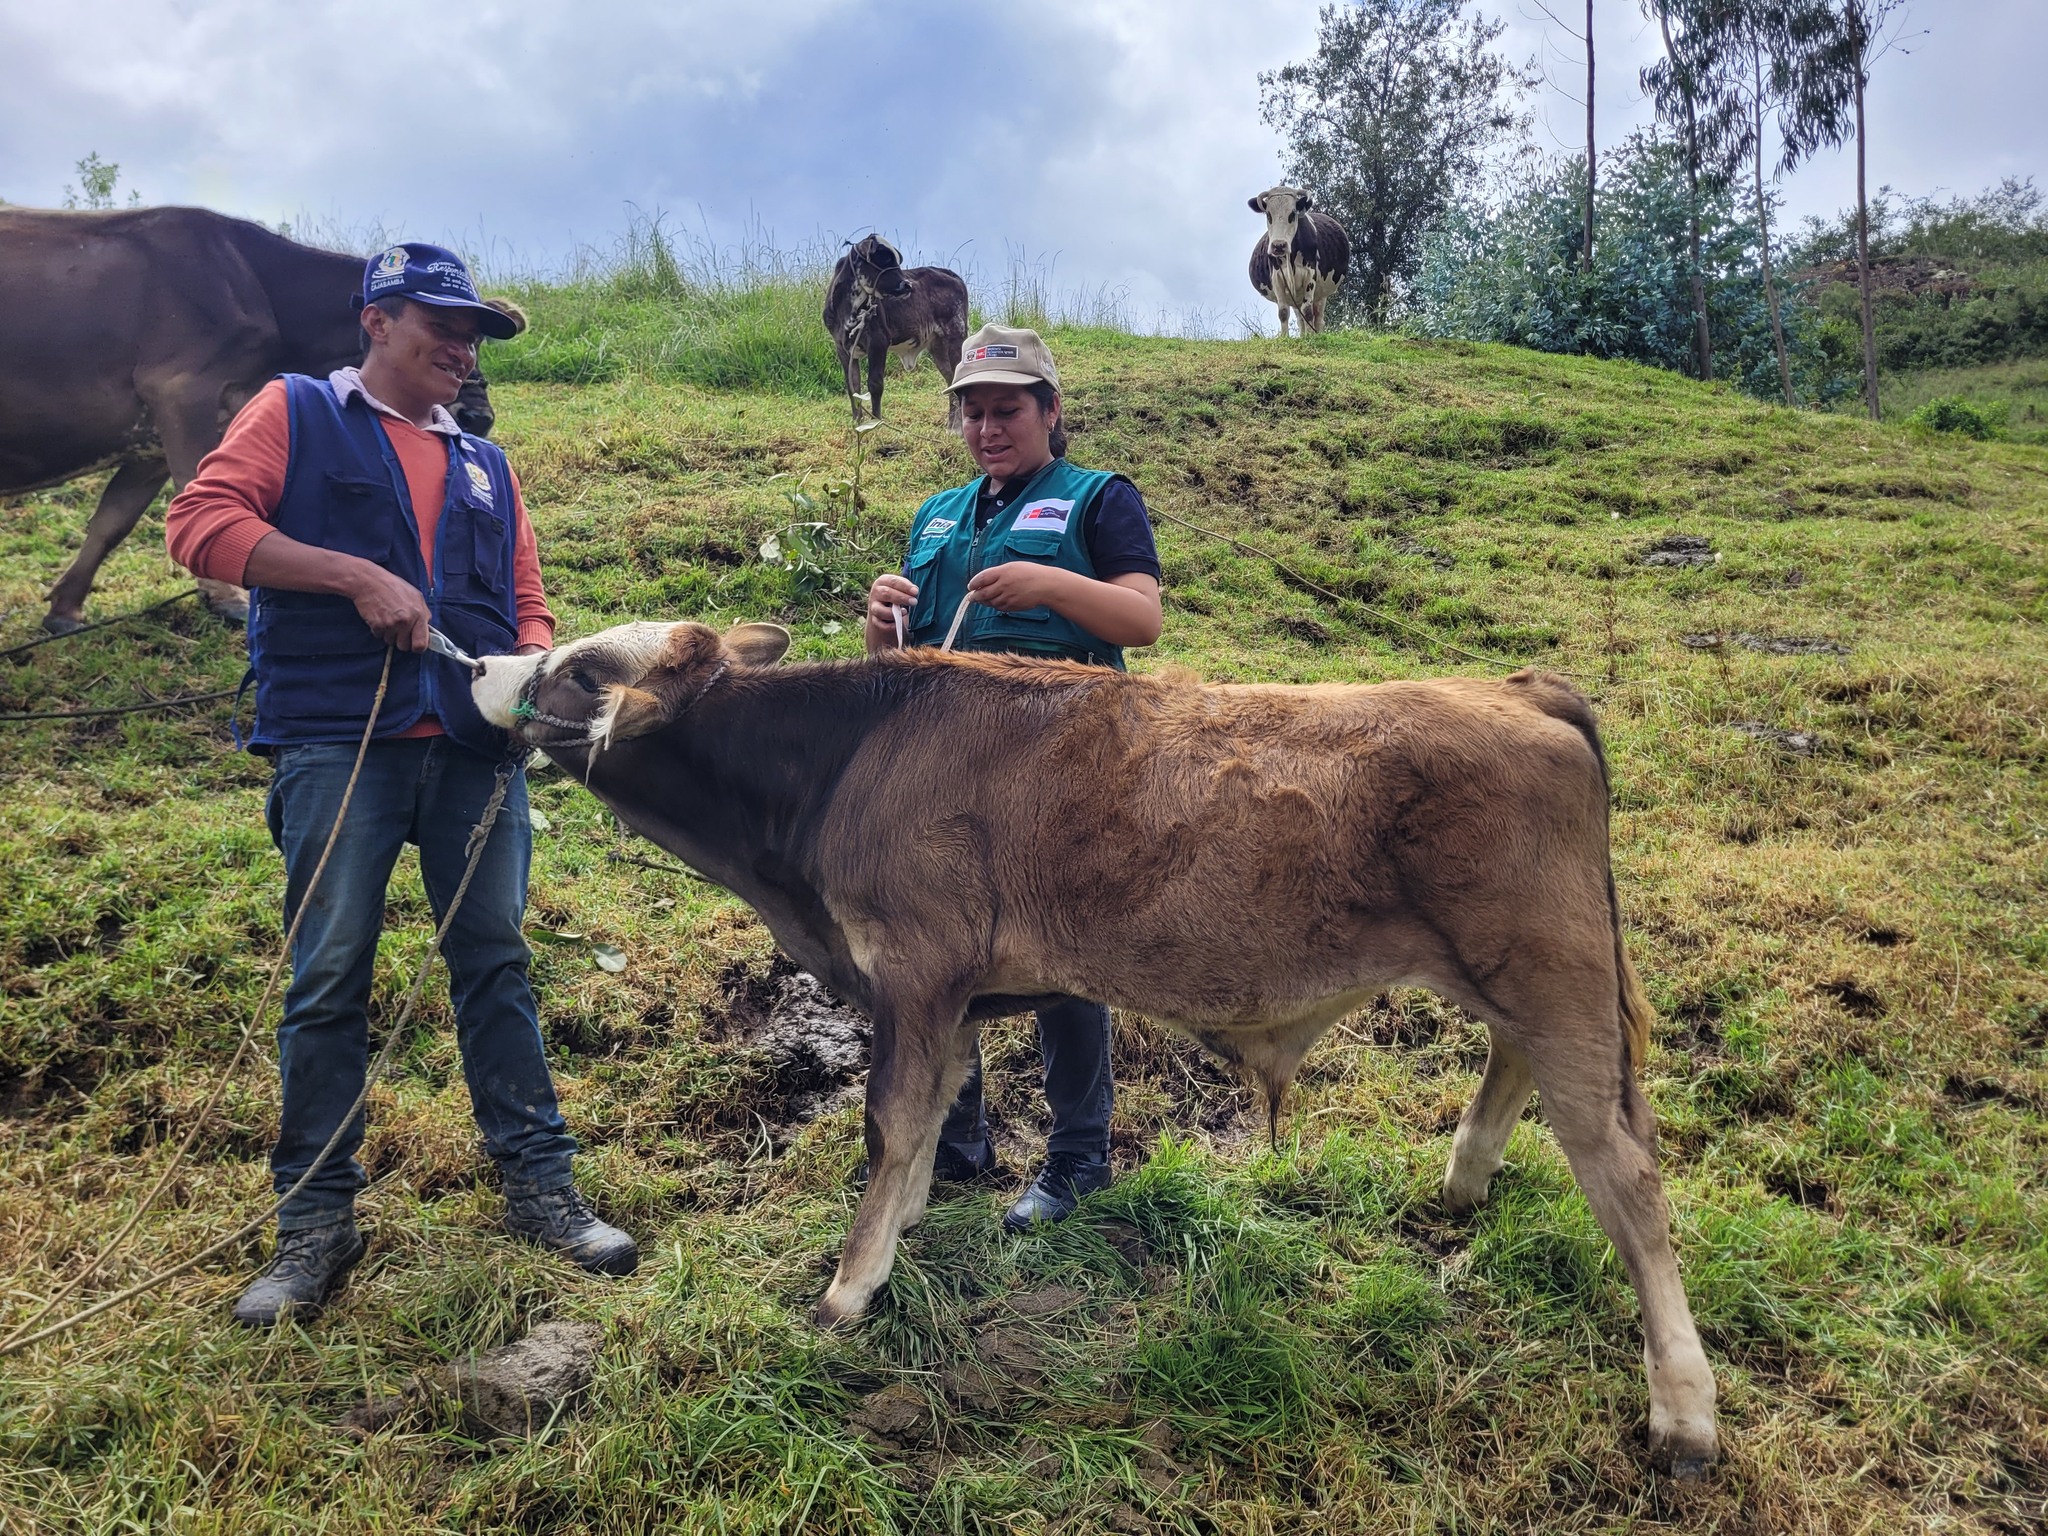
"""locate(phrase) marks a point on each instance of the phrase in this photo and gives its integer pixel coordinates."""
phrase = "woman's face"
(1005, 430)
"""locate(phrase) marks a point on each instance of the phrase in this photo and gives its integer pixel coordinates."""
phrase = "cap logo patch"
(479, 481)
(982, 354)
(393, 260)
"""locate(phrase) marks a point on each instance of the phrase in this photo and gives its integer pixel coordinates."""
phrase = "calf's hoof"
(1464, 1193)
(1685, 1453)
(837, 1311)
(55, 623)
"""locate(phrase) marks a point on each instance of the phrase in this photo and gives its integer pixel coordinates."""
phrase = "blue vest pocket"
(317, 632)
(481, 557)
(357, 518)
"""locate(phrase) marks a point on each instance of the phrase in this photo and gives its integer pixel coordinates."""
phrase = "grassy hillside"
(1828, 751)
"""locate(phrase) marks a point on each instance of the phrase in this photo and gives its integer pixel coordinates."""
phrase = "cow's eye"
(583, 680)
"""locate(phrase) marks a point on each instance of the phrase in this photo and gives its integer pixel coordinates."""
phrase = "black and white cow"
(1301, 258)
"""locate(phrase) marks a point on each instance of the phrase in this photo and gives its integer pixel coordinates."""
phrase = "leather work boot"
(1059, 1187)
(561, 1220)
(304, 1271)
(949, 1166)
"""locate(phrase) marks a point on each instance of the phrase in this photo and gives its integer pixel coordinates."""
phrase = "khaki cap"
(1005, 354)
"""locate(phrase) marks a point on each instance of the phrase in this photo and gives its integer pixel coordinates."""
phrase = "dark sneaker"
(305, 1270)
(949, 1166)
(1059, 1187)
(952, 1166)
(562, 1220)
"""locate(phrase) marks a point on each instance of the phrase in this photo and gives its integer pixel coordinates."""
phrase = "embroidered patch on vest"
(1044, 517)
(938, 527)
(479, 481)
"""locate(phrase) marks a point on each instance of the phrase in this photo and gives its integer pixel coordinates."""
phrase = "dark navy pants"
(1073, 1039)
(428, 792)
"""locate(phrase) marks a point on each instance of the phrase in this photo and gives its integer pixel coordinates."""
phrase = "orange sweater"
(225, 510)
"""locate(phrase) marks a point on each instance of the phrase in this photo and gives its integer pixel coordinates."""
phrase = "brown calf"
(875, 307)
(942, 838)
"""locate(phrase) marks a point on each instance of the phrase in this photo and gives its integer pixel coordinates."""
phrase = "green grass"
(1846, 949)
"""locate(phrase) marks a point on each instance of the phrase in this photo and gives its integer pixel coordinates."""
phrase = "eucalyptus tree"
(1680, 84)
(1390, 123)
(1585, 38)
(1830, 46)
(1740, 51)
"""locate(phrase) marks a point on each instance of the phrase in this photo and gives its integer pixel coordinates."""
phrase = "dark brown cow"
(1301, 258)
(875, 306)
(943, 838)
(128, 341)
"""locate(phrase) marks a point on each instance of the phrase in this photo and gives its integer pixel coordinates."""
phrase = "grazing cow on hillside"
(943, 838)
(1301, 258)
(128, 340)
(876, 306)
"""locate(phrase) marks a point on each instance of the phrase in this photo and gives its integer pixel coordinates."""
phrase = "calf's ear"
(628, 712)
(1304, 203)
(1257, 204)
(676, 664)
(757, 645)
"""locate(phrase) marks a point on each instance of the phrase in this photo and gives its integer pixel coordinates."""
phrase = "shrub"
(1512, 274)
(1952, 413)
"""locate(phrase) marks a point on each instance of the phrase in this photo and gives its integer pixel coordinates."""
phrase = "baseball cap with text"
(431, 274)
(1005, 354)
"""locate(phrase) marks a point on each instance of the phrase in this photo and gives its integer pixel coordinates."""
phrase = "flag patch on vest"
(1044, 517)
(478, 480)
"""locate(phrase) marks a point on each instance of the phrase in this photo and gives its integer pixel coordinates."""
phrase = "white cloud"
(1121, 136)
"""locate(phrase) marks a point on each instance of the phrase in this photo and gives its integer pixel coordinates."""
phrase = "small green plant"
(1952, 413)
(96, 182)
(820, 544)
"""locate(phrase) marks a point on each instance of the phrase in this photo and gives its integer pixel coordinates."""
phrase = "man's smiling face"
(431, 348)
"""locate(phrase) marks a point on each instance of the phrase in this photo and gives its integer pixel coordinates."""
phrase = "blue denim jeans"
(1073, 1040)
(428, 792)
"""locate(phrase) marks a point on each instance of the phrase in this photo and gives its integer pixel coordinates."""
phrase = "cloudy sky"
(1115, 140)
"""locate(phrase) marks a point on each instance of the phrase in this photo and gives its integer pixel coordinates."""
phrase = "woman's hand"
(890, 595)
(1016, 585)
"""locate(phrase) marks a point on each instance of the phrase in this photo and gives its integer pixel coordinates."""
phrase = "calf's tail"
(1561, 701)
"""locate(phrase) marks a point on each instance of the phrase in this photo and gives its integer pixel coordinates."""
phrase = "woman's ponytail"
(1048, 397)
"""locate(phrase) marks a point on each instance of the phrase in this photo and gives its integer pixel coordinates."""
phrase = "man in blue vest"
(1038, 557)
(359, 513)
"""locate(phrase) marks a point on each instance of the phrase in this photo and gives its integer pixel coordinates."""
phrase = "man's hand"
(889, 595)
(390, 605)
(1019, 584)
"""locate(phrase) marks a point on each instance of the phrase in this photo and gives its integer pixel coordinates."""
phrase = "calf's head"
(880, 265)
(617, 684)
(1283, 208)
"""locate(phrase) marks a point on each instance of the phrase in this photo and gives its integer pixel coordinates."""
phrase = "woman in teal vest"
(1039, 557)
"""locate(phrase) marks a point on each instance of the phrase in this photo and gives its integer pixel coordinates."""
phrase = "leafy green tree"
(1388, 124)
(1728, 73)
(1830, 47)
(1681, 86)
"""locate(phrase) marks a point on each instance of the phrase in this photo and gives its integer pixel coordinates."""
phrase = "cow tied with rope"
(933, 835)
